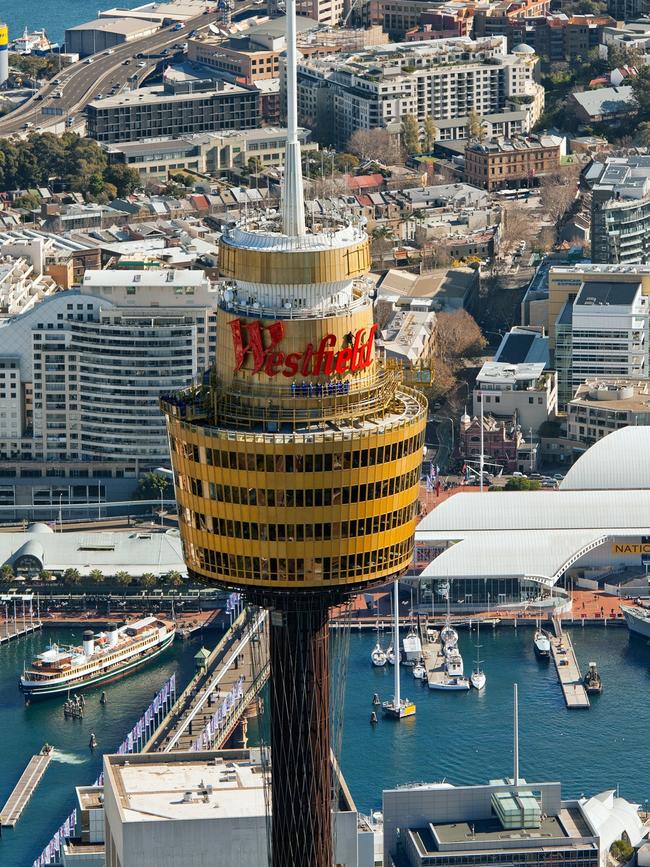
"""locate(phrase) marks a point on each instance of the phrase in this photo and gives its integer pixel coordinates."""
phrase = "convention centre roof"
(540, 534)
(135, 552)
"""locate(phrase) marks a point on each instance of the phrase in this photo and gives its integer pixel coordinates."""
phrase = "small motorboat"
(448, 635)
(378, 656)
(542, 644)
(450, 683)
(92, 743)
(592, 680)
(419, 671)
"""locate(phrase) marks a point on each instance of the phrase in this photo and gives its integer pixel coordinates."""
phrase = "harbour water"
(52, 16)
(25, 729)
(461, 737)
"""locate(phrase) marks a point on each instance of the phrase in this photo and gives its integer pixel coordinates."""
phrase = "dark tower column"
(300, 732)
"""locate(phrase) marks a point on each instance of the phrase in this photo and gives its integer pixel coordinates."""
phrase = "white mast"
(481, 459)
(293, 205)
(516, 736)
(398, 701)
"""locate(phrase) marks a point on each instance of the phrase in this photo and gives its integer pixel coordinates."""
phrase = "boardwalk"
(241, 653)
(24, 789)
(568, 670)
(9, 630)
(434, 661)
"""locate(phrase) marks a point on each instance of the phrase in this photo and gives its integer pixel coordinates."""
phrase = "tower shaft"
(301, 772)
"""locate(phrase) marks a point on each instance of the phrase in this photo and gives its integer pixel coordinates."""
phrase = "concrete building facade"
(525, 393)
(81, 376)
(603, 405)
(442, 79)
(176, 108)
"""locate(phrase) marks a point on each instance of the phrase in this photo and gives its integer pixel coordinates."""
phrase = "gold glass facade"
(297, 464)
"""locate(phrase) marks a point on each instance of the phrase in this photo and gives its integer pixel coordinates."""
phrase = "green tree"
(641, 91)
(475, 131)
(430, 132)
(123, 578)
(96, 184)
(174, 578)
(44, 575)
(6, 573)
(97, 576)
(147, 580)
(151, 485)
(125, 179)
(410, 134)
(381, 237)
(519, 484)
(71, 576)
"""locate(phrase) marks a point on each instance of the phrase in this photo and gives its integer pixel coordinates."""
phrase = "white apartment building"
(21, 284)
(526, 392)
(602, 333)
(442, 78)
(82, 372)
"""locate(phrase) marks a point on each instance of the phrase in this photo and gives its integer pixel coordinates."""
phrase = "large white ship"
(33, 43)
(637, 619)
(103, 657)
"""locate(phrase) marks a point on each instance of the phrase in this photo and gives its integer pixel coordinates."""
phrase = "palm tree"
(147, 580)
(6, 573)
(174, 578)
(123, 578)
(97, 576)
(71, 576)
(44, 575)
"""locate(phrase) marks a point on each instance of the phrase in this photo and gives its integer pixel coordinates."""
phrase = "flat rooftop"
(614, 293)
(157, 93)
(123, 26)
(151, 792)
(492, 831)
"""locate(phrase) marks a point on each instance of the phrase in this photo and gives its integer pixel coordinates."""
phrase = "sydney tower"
(297, 468)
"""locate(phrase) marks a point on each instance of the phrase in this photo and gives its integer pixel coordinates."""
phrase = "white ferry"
(33, 43)
(103, 657)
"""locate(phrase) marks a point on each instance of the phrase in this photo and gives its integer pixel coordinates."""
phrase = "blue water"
(25, 729)
(467, 737)
(461, 737)
(54, 17)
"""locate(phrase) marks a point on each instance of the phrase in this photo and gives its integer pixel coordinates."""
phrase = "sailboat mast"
(396, 642)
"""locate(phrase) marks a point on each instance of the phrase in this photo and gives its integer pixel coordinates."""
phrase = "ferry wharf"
(24, 788)
(568, 670)
(18, 621)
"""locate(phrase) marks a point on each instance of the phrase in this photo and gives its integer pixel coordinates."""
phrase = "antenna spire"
(516, 735)
(293, 204)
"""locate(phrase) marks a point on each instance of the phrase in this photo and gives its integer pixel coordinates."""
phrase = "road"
(81, 82)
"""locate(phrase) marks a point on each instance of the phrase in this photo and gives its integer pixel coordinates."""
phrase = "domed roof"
(617, 462)
(522, 48)
(39, 527)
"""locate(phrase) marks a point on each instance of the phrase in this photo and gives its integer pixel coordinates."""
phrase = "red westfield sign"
(260, 342)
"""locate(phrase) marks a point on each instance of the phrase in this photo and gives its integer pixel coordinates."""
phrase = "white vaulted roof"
(619, 461)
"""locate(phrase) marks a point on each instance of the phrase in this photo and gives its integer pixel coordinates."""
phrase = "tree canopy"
(79, 162)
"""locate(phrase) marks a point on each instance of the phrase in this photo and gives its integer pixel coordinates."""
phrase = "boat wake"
(69, 758)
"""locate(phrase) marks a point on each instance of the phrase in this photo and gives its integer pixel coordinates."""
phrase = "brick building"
(511, 163)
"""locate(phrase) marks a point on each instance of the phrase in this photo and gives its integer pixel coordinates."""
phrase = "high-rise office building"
(297, 469)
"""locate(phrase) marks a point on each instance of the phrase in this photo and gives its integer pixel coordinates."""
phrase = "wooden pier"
(9, 631)
(24, 789)
(568, 670)
(434, 661)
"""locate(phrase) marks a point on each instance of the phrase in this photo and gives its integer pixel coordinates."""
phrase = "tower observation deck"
(296, 467)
